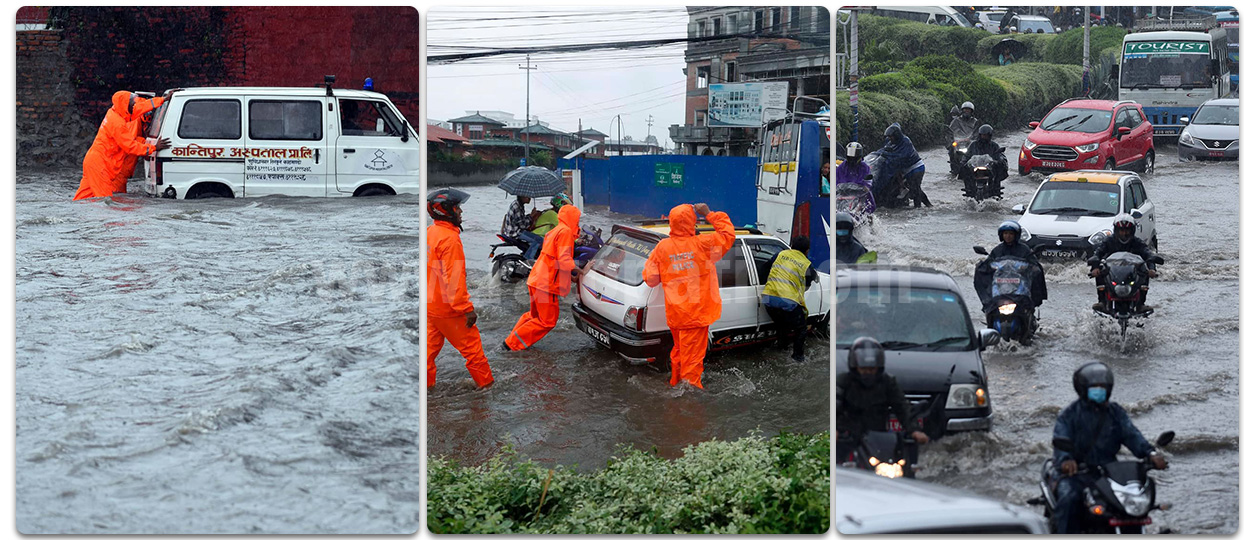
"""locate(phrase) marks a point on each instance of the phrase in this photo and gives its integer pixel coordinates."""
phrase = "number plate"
(1215, 154)
(893, 425)
(1059, 164)
(599, 335)
(1060, 254)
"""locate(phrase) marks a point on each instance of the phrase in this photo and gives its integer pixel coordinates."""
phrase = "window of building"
(732, 24)
(701, 76)
(794, 18)
(758, 21)
(286, 120)
(775, 20)
(717, 26)
(730, 72)
(211, 119)
(477, 132)
(700, 28)
(824, 22)
(701, 117)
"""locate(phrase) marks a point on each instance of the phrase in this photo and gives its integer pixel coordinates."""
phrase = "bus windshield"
(1165, 64)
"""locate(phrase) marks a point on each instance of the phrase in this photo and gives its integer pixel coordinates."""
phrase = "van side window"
(1129, 198)
(732, 268)
(210, 119)
(1141, 196)
(763, 253)
(286, 120)
(368, 119)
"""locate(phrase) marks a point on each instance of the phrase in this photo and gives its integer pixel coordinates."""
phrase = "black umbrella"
(1015, 48)
(532, 182)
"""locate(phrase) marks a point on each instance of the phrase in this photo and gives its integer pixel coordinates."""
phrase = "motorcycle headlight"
(1029, 145)
(1185, 138)
(1085, 148)
(1006, 309)
(1123, 290)
(1100, 236)
(1136, 501)
(888, 470)
(1024, 235)
(967, 396)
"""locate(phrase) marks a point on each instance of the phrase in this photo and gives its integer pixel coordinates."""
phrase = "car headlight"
(967, 396)
(1136, 502)
(1185, 138)
(1007, 308)
(1024, 235)
(1100, 236)
(1029, 145)
(1085, 148)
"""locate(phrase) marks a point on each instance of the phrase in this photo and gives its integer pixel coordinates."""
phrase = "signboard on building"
(746, 104)
(669, 175)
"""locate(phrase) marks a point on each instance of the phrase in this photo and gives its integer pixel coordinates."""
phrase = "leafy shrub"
(752, 485)
(1068, 47)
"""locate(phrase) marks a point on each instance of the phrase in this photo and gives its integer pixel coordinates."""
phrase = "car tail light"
(803, 220)
(159, 172)
(634, 318)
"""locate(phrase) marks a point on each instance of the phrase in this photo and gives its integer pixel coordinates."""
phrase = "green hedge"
(752, 485)
(1068, 47)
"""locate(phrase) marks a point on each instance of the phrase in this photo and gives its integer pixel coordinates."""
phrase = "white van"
(311, 142)
(939, 15)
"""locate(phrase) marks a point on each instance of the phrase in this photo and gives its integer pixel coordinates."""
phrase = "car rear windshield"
(1077, 199)
(1077, 120)
(1218, 115)
(622, 259)
(904, 318)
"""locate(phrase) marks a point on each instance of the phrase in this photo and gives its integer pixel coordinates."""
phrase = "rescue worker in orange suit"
(116, 139)
(550, 279)
(451, 316)
(144, 108)
(685, 264)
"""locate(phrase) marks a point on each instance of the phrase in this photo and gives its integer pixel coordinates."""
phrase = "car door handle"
(317, 156)
(348, 150)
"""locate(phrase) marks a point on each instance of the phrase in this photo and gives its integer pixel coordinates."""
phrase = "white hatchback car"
(313, 142)
(624, 314)
(1072, 212)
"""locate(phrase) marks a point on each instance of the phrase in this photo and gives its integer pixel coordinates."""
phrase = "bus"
(1170, 73)
(789, 201)
(1229, 21)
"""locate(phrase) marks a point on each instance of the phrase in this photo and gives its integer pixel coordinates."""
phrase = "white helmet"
(967, 105)
(855, 150)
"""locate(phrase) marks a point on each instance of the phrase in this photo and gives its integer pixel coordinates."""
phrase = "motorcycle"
(1124, 287)
(1007, 297)
(895, 191)
(885, 453)
(957, 150)
(515, 267)
(855, 200)
(979, 179)
(1120, 495)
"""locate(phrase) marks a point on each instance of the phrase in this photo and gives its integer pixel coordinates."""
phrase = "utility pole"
(527, 130)
(649, 128)
(619, 134)
(1084, 80)
(855, 78)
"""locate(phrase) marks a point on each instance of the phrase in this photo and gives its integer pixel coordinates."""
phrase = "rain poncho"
(897, 158)
(549, 280)
(1031, 272)
(142, 106)
(449, 302)
(116, 139)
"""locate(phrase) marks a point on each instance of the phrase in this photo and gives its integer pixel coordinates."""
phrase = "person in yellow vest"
(789, 278)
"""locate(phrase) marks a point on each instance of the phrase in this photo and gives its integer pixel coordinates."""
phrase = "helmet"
(866, 353)
(442, 202)
(1092, 374)
(1125, 222)
(967, 105)
(843, 221)
(1009, 225)
(985, 129)
(855, 150)
(559, 200)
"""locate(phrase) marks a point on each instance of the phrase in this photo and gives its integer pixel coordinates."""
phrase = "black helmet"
(843, 221)
(441, 204)
(1093, 374)
(985, 129)
(1009, 225)
(866, 353)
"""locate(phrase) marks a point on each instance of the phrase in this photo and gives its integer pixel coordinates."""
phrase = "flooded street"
(1179, 372)
(219, 366)
(566, 401)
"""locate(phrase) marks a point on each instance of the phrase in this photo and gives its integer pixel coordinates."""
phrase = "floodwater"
(220, 366)
(1179, 372)
(568, 402)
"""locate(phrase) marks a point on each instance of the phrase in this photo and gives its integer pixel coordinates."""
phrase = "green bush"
(919, 39)
(1068, 47)
(752, 485)
(1033, 89)
(1037, 44)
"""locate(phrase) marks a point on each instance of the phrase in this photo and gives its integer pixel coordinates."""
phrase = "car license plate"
(1060, 254)
(893, 424)
(1215, 154)
(598, 334)
(1059, 164)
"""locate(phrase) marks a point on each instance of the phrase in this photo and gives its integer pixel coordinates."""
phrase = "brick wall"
(49, 129)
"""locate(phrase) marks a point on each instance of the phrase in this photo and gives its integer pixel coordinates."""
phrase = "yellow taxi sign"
(1092, 177)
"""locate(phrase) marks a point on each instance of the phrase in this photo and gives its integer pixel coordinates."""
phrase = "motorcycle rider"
(1124, 239)
(984, 145)
(548, 218)
(966, 122)
(1010, 246)
(901, 157)
(867, 396)
(847, 249)
(853, 170)
(1098, 427)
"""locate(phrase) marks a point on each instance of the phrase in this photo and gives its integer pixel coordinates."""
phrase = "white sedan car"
(1073, 212)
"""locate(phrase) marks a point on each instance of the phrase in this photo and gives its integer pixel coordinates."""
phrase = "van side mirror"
(989, 337)
(1136, 214)
(405, 131)
(1018, 209)
(1184, 120)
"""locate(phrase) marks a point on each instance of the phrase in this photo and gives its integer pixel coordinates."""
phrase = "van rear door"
(369, 148)
(286, 149)
(206, 144)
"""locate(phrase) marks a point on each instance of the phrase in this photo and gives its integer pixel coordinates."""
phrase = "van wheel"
(1153, 242)
(373, 191)
(1109, 164)
(1149, 162)
(210, 191)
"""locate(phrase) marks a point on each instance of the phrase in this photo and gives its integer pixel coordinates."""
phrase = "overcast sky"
(594, 86)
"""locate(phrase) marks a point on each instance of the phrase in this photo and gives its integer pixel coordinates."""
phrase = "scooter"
(1008, 299)
(1124, 288)
(895, 192)
(1119, 497)
(979, 179)
(855, 200)
(886, 453)
(515, 267)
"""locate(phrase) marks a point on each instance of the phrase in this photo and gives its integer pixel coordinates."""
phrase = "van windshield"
(622, 259)
(903, 318)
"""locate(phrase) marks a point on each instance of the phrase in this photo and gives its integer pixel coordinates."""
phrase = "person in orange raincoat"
(451, 316)
(685, 264)
(143, 107)
(549, 280)
(116, 139)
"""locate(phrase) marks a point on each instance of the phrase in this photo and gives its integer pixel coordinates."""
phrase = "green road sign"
(669, 175)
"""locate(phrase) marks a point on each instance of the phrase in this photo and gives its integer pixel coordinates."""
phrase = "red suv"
(1089, 134)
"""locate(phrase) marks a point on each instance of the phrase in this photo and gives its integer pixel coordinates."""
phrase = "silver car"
(1213, 132)
(869, 504)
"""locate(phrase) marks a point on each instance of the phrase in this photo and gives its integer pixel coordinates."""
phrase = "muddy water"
(224, 366)
(567, 401)
(1180, 372)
